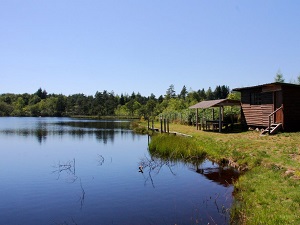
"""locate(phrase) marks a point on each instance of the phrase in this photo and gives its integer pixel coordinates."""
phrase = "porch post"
(197, 125)
(220, 119)
(222, 113)
(202, 121)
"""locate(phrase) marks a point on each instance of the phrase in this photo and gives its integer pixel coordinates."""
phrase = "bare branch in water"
(68, 168)
(154, 165)
(82, 194)
(100, 160)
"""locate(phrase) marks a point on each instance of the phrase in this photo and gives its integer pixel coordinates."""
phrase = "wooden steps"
(274, 128)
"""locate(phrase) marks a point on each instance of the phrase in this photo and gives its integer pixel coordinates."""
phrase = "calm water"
(68, 171)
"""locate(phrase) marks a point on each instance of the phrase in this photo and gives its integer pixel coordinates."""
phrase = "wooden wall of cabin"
(291, 104)
(257, 114)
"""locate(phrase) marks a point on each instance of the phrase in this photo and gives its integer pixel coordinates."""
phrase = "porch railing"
(276, 117)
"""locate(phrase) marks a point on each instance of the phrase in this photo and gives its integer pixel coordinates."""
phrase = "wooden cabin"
(273, 106)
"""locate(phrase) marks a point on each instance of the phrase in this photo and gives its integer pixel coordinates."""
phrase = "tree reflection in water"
(104, 131)
(153, 165)
(221, 175)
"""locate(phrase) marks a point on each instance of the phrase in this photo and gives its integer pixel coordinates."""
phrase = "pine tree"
(279, 77)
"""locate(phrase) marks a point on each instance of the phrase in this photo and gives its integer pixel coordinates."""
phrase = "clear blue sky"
(71, 46)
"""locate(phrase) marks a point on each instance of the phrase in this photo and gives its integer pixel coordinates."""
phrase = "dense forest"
(105, 103)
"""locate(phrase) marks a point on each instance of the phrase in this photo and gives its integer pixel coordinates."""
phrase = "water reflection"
(68, 170)
(224, 176)
(149, 166)
(221, 175)
(94, 124)
(71, 178)
(104, 131)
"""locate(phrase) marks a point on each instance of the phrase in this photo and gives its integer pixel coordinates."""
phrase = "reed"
(176, 147)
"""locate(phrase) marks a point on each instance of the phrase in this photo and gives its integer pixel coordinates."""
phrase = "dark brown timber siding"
(291, 104)
(257, 115)
(256, 112)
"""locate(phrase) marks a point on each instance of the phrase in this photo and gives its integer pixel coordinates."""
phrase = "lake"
(73, 171)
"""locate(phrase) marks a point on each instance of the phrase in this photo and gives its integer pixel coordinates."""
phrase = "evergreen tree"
(279, 77)
(183, 93)
(209, 94)
(152, 96)
(41, 93)
(170, 93)
(224, 91)
(122, 100)
(132, 96)
(160, 99)
(217, 92)
(202, 94)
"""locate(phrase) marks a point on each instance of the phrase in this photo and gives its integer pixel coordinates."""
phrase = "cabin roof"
(266, 85)
(215, 103)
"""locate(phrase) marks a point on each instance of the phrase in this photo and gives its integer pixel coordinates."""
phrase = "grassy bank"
(268, 192)
(170, 146)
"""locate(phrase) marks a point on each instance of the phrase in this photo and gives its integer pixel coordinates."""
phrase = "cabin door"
(278, 117)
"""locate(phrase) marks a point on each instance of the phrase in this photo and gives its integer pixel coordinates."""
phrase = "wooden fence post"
(168, 128)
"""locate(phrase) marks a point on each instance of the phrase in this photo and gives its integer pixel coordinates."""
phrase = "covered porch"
(215, 124)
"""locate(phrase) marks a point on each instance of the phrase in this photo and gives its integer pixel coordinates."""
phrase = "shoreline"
(268, 190)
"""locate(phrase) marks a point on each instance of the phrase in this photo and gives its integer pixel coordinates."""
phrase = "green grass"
(268, 192)
(267, 197)
(176, 147)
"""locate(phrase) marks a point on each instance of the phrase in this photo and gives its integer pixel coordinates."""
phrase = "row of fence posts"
(164, 125)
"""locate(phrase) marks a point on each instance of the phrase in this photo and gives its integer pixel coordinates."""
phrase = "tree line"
(105, 103)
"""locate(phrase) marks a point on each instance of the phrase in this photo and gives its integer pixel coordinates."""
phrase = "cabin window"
(255, 99)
